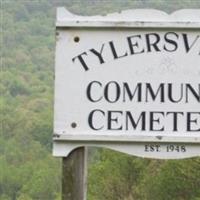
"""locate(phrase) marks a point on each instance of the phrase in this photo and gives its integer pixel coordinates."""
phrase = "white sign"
(129, 82)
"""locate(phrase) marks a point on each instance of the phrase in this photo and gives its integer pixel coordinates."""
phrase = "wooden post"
(74, 179)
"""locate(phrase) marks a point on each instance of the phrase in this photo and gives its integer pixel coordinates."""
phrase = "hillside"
(27, 169)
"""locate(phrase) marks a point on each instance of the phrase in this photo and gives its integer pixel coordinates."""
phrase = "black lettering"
(153, 121)
(192, 90)
(108, 92)
(137, 90)
(115, 55)
(135, 45)
(170, 93)
(80, 58)
(173, 43)
(152, 40)
(88, 91)
(112, 119)
(175, 119)
(160, 90)
(191, 121)
(188, 46)
(99, 54)
(134, 123)
(91, 119)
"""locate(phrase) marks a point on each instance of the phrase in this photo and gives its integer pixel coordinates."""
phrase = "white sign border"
(185, 18)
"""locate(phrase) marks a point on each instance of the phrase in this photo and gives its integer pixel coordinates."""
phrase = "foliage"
(114, 176)
(27, 169)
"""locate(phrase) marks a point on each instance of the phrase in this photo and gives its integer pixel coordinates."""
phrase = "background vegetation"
(27, 169)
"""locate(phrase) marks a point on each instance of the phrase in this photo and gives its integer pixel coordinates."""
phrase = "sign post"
(74, 179)
(127, 81)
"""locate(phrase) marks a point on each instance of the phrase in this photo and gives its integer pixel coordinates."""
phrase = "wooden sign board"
(128, 81)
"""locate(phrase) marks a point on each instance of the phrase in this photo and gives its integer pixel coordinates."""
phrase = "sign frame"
(64, 142)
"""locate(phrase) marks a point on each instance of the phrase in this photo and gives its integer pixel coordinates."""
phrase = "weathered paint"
(186, 18)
